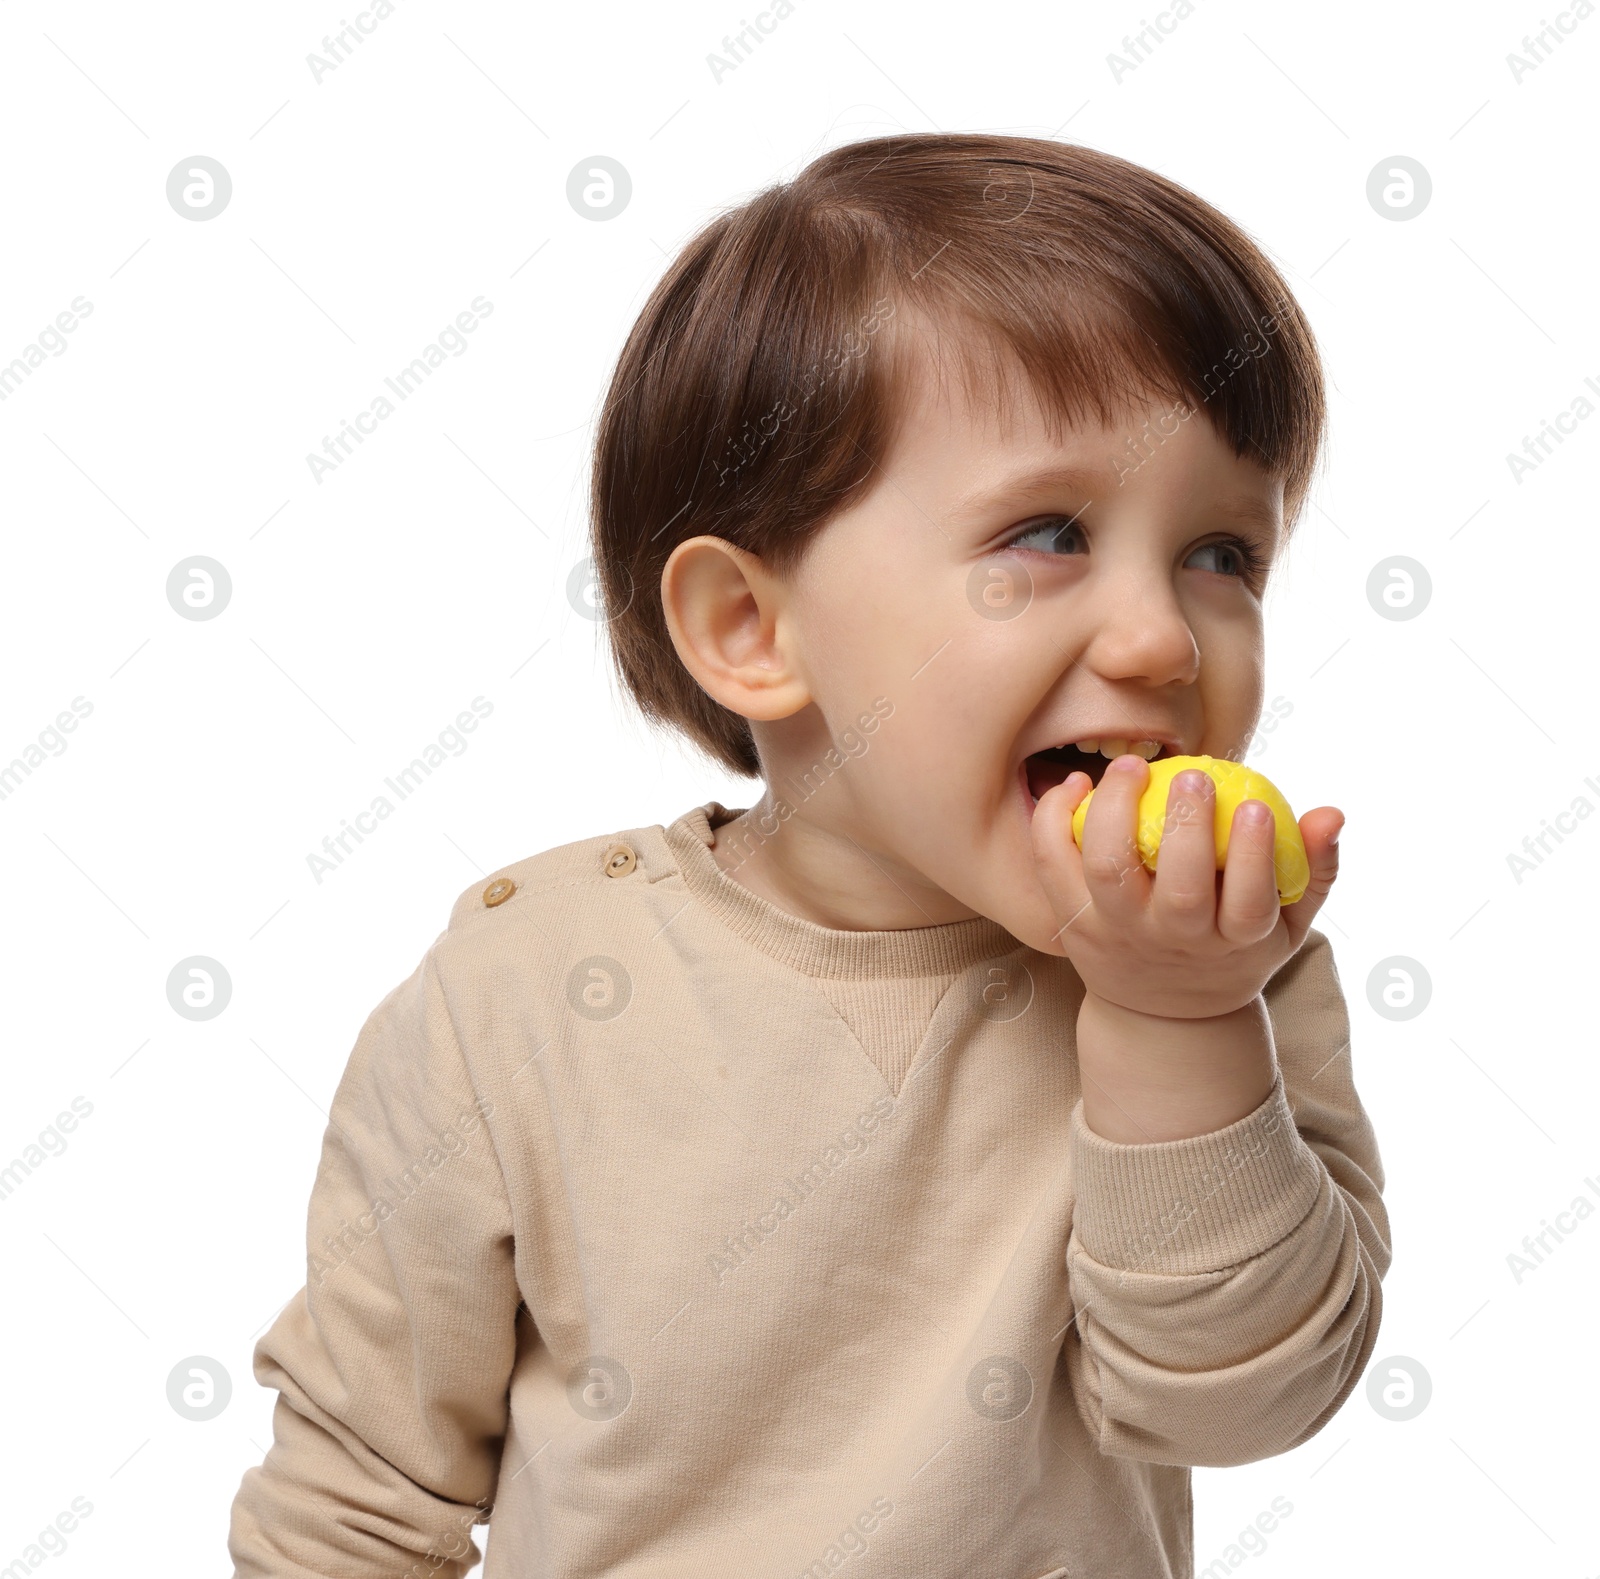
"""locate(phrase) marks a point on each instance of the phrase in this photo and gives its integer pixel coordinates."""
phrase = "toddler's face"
(962, 590)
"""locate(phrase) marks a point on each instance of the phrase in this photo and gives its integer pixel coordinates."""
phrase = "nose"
(1142, 633)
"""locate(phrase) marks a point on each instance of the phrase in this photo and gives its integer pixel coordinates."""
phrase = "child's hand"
(1186, 941)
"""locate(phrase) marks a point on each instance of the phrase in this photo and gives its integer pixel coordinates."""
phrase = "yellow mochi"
(1234, 783)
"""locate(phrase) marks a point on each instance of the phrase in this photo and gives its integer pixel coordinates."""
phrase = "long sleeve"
(392, 1364)
(1227, 1286)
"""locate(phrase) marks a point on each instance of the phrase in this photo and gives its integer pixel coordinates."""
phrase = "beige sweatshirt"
(698, 1241)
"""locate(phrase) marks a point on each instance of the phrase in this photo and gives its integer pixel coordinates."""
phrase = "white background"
(371, 207)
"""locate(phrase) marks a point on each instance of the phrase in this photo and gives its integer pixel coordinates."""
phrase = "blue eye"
(1052, 529)
(1249, 558)
(1050, 533)
(1245, 552)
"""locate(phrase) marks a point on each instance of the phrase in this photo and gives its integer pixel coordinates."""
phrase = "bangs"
(1094, 357)
(1077, 369)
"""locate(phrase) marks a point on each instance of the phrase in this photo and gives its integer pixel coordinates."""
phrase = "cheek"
(941, 745)
(945, 681)
(864, 635)
(1233, 672)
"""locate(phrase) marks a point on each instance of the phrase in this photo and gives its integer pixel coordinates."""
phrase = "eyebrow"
(1096, 484)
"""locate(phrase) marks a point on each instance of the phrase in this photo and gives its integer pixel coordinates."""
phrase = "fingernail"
(1335, 838)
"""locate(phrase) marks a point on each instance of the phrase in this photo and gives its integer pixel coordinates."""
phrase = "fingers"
(1114, 872)
(1319, 831)
(1186, 877)
(1185, 897)
(1056, 855)
(1249, 908)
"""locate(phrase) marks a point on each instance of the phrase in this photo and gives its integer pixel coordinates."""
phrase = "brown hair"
(744, 405)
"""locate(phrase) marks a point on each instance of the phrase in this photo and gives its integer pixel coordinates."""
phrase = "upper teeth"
(1114, 747)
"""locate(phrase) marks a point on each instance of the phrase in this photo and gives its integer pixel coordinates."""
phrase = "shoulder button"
(618, 860)
(500, 890)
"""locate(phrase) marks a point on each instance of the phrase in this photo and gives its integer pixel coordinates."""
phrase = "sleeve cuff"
(1204, 1204)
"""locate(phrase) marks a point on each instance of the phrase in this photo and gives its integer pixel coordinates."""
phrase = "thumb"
(1319, 831)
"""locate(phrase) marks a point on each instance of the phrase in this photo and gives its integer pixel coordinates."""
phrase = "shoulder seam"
(524, 890)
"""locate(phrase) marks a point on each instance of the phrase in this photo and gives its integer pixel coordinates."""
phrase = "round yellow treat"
(1234, 783)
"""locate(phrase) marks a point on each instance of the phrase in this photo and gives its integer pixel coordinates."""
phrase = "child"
(868, 1178)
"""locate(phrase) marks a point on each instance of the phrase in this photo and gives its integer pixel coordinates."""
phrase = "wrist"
(1148, 1077)
(1175, 1006)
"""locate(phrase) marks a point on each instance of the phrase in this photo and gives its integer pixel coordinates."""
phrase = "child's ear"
(731, 622)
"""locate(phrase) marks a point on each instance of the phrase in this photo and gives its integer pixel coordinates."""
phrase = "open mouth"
(1042, 771)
